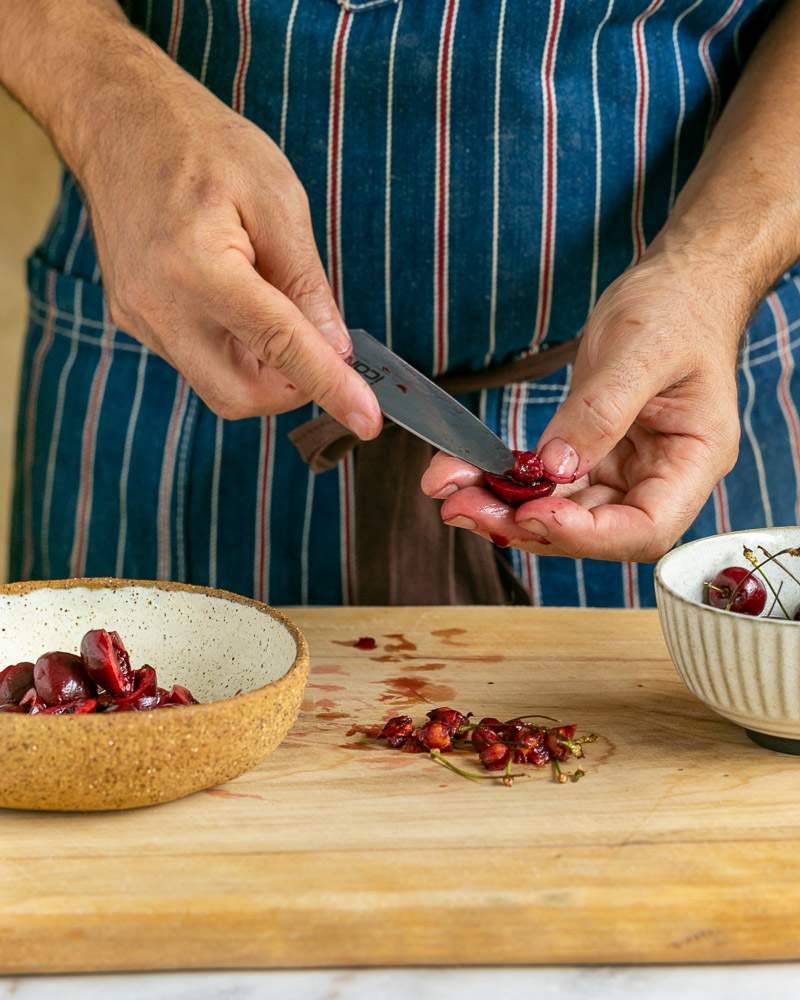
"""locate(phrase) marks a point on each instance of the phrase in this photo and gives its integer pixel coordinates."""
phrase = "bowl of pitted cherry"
(729, 607)
(116, 694)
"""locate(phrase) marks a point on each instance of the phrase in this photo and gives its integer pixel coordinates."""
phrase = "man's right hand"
(204, 237)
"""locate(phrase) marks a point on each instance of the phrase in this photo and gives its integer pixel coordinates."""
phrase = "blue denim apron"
(478, 172)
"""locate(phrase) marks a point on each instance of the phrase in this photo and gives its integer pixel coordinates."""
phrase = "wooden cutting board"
(681, 844)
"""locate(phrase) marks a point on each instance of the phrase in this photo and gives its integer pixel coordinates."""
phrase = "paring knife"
(419, 405)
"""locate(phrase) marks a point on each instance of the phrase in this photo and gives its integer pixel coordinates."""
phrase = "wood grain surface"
(680, 844)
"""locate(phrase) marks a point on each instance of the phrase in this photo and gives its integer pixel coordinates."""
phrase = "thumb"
(600, 409)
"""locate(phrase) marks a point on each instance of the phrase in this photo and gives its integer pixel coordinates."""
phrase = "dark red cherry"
(107, 661)
(60, 678)
(180, 695)
(15, 681)
(748, 599)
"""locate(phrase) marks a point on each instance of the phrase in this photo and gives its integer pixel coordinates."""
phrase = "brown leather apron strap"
(405, 554)
(323, 441)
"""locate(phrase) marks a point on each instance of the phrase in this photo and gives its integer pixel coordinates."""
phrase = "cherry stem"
(437, 756)
(738, 587)
(784, 568)
(548, 717)
(751, 557)
(573, 746)
(775, 600)
(719, 590)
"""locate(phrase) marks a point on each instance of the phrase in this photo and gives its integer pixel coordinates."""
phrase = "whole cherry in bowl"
(204, 687)
(727, 606)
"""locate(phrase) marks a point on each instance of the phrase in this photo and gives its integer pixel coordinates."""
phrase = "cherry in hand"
(525, 481)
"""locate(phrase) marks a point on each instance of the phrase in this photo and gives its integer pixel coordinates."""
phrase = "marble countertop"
(710, 982)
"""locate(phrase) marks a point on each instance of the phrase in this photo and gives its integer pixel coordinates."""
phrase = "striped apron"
(478, 171)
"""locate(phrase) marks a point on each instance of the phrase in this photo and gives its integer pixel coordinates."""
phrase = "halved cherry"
(83, 706)
(145, 681)
(180, 695)
(107, 661)
(31, 702)
(15, 681)
(61, 677)
(515, 494)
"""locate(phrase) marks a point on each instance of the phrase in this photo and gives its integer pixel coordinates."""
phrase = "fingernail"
(338, 338)
(462, 522)
(445, 491)
(535, 528)
(560, 460)
(360, 425)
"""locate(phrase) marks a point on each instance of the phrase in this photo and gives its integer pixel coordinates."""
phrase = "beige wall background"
(28, 184)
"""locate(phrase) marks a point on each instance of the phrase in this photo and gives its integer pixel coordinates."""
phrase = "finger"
(588, 497)
(597, 414)
(273, 328)
(643, 527)
(479, 510)
(446, 474)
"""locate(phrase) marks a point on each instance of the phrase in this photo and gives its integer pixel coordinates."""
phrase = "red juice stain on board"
(363, 745)
(402, 642)
(328, 668)
(408, 691)
(447, 635)
(330, 716)
(327, 687)
(363, 642)
(427, 666)
(372, 732)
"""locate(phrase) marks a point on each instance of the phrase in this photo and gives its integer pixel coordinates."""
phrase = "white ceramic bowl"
(747, 669)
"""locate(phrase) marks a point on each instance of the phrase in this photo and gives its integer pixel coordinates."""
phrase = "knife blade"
(422, 407)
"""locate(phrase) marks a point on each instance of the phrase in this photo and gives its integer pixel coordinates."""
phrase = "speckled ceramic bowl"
(745, 668)
(213, 642)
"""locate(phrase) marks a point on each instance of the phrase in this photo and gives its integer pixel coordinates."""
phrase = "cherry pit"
(100, 679)
(497, 745)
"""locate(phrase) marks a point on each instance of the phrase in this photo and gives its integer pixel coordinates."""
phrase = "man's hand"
(651, 422)
(202, 227)
(649, 427)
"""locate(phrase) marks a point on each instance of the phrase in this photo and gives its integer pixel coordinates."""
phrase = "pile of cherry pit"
(101, 679)
(498, 745)
(743, 590)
